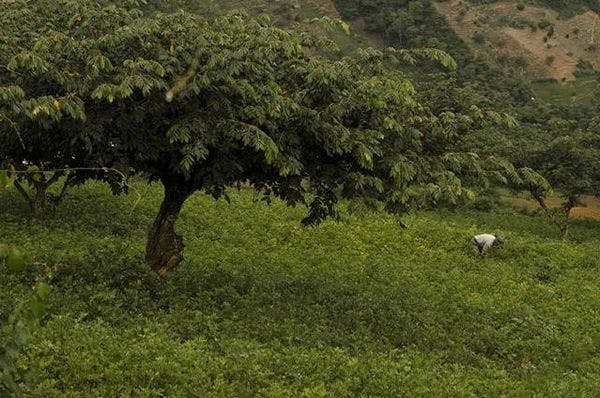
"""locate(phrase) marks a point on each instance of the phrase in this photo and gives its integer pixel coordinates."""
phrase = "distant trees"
(564, 153)
(562, 144)
(571, 163)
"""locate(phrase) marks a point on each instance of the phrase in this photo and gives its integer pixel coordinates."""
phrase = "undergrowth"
(264, 307)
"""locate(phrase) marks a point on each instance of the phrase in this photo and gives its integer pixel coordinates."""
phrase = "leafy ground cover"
(580, 91)
(264, 307)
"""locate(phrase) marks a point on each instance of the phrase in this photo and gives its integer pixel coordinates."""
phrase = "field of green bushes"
(580, 91)
(265, 307)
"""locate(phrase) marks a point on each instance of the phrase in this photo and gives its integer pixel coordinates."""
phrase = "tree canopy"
(204, 105)
(52, 61)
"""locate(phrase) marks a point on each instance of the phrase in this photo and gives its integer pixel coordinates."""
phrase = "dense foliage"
(264, 307)
(205, 104)
(103, 90)
(52, 64)
(559, 141)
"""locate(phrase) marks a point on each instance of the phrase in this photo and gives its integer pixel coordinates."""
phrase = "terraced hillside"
(528, 40)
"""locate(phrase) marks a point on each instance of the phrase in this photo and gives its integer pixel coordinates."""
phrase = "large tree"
(204, 105)
(246, 101)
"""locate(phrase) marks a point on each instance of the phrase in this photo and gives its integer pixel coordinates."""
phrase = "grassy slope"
(264, 307)
(580, 91)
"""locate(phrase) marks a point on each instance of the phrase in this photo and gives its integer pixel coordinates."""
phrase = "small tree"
(571, 163)
(51, 62)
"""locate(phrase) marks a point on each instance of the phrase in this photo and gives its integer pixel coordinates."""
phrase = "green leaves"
(7, 179)
(402, 171)
(364, 156)
(13, 259)
(331, 24)
(55, 108)
(128, 86)
(256, 139)
(100, 63)
(28, 61)
(140, 65)
(433, 54)
(11, 94)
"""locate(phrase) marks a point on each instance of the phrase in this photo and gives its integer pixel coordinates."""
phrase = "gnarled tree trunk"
(38, 200)
(164, 248)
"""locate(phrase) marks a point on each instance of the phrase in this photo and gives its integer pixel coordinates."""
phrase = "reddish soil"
(591, 210)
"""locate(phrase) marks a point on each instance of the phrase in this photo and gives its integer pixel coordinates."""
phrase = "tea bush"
(264, 307)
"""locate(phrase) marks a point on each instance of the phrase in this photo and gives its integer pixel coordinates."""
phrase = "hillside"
(265, 307)
(531, 41)
(285, 12)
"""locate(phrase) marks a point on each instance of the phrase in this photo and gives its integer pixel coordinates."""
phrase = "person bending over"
(482, 243)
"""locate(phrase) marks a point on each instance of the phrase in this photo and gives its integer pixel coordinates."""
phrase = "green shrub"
(264, 307)
(544, 23)
(478, 37)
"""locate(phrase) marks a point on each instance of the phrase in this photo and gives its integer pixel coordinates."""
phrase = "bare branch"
(22, 190)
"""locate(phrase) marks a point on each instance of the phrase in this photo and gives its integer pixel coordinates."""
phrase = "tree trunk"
(564, 226)
(38, 200)
(559, 217)
(164, 248)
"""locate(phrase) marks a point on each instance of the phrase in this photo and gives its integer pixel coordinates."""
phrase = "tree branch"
(54, 178)
(22, 190)
(13, 125)
(63, 191)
